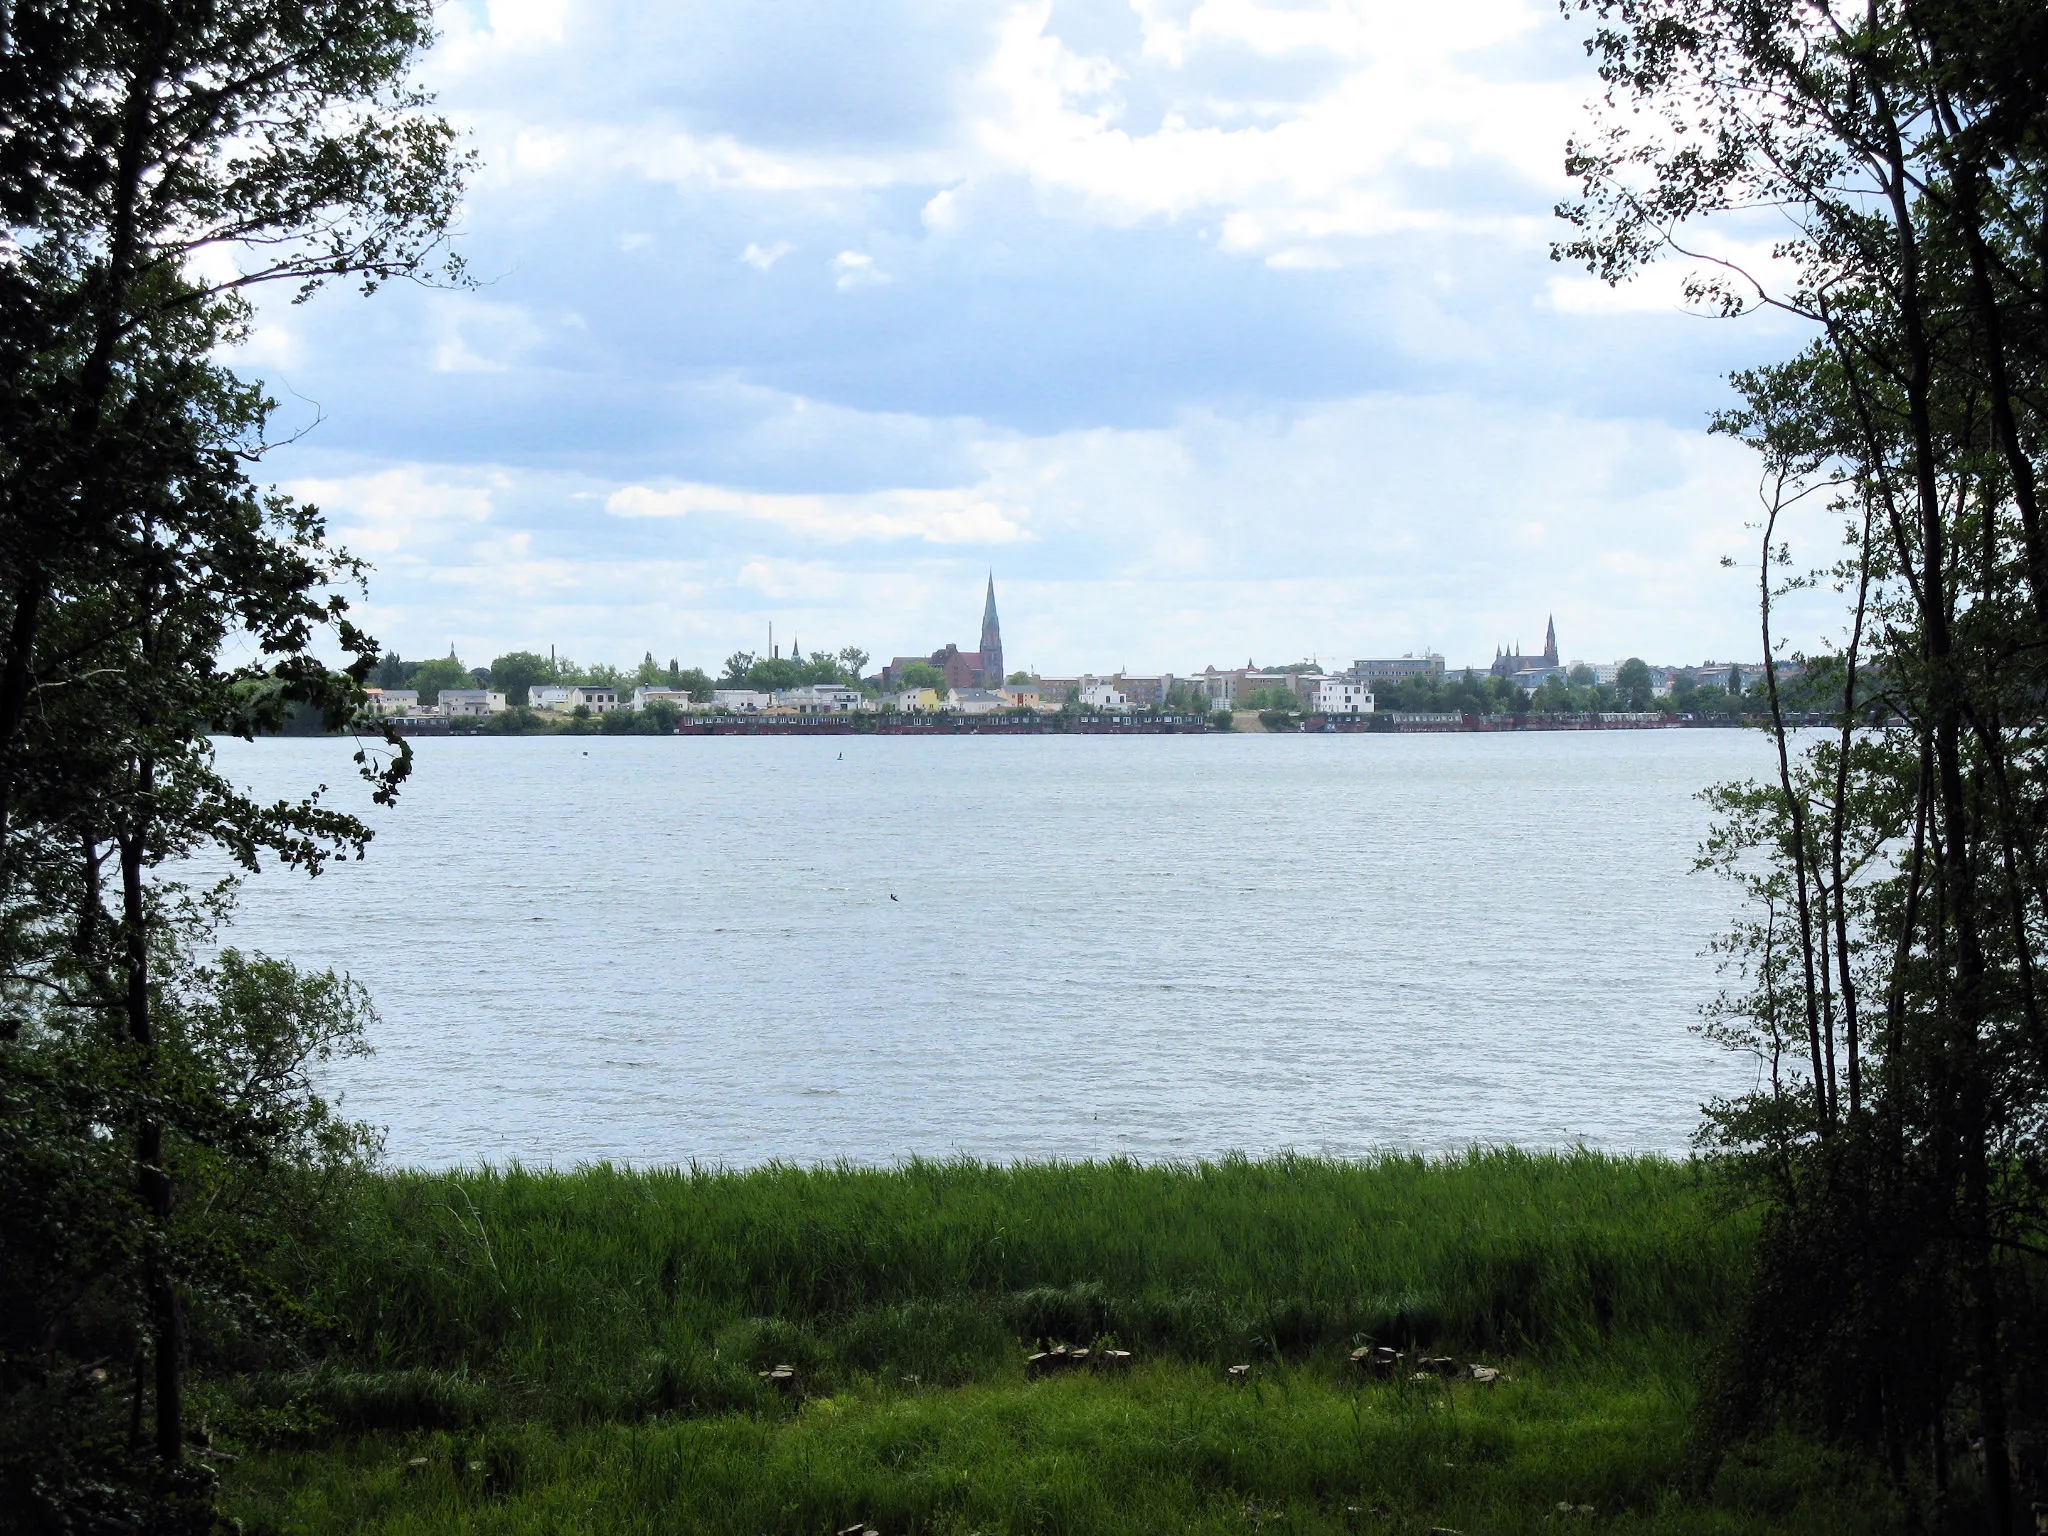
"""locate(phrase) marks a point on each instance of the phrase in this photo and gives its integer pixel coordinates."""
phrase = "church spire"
(1550, 643)
(992, 671)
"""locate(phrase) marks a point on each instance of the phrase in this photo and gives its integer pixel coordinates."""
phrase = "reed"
(519, 1350)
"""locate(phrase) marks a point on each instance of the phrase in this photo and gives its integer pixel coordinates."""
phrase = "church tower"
(1550, 643)
(993, 675)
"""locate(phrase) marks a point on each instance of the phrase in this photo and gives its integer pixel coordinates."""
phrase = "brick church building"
(964, 669)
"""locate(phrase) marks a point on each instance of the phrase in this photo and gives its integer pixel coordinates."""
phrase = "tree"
(921, 674)
(737, 666)
(1887, 973)
(139, 138)
(693, 682)
(1633, 680)
(1022, 677)
(430, 677)
(852, 662)
(648, 675)
(515, 673)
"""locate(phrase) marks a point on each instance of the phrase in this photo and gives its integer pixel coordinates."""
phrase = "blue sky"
(1216, 328)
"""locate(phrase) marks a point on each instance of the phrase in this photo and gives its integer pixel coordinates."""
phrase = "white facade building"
(741, 701)
(975, 701)
(471, 703)
(599, 700)
(1101, 695)
(1343, 696)
(548, 696)
(645, 695)
(392, 701)
(820, 699)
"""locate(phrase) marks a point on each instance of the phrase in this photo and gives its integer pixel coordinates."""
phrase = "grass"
(516, 1351)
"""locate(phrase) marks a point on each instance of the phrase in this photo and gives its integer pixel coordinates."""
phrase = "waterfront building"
(1399, 669)
(598, 699)
(1099, 693)
(548, 696)
(646, 694)
(1343, 696)
(471, 703)
(741, 701)
(976, 701)
(912, 701)
(981, 668)
(1515, 664)
(819, 699)
(1224, 688)
(1055, 691)
(1144, 692)
(392, 701)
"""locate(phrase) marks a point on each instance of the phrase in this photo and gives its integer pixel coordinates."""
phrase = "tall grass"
(515, 1351)
(593, 1290)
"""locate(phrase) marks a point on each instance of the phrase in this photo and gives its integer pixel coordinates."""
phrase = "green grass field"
(511, 1351)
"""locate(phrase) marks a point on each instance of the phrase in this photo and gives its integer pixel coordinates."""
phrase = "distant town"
(526, 691)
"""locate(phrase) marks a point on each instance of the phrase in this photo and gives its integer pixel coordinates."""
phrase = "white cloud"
(856, 269)
(762, 257)
(936, 517)
(404, 512)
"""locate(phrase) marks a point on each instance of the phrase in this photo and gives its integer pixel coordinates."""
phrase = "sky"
(1217, 330)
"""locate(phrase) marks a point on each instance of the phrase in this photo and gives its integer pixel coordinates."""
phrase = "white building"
(471, 703)
(912, 701)
(741, 701)
(1103, 695)
(820, 699)
(975, 701)
(1343, 696)
(548, 696)
(392, 701)
(599, 700)
(645, 695)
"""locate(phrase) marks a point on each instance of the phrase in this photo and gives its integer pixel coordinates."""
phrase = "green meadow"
(515, 1351)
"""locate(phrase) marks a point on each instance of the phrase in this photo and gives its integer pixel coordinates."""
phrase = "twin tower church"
(981, 668)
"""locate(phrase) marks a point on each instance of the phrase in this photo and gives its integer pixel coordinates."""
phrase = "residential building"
(1223, 688)
(548, 696)
(1055, 691)
(912, 701)
(1097, 693)
(1399, 669)
(975, 701)
(1028, 694)
(392, 701)
(471, 703)
(645, 695)
(1343, 696)
(741, 701)
(1144, 692)
(819, 699)
(598, 699)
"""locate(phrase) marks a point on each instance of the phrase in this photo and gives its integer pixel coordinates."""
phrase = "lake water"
(734, 950)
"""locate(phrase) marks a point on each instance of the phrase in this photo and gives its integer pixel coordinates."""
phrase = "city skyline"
(1219, 329)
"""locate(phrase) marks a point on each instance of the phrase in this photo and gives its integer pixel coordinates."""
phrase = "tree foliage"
(158, 162)
(1886, 974)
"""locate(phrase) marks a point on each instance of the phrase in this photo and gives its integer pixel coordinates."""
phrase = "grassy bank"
(516, 1351)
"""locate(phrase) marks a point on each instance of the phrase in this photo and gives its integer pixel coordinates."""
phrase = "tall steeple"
(993, 675)
(1550, 643)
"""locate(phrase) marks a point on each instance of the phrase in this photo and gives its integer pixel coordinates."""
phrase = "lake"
(729, 950)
